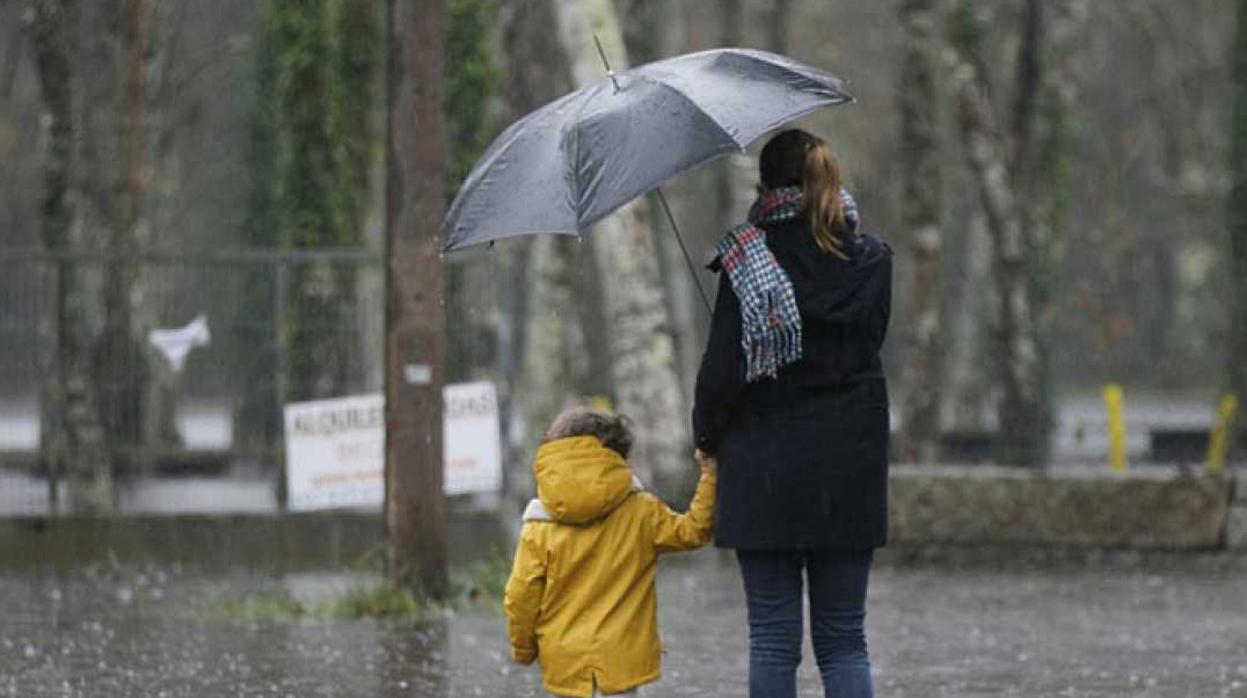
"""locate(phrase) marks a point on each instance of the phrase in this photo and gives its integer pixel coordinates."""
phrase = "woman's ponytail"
(821, 191)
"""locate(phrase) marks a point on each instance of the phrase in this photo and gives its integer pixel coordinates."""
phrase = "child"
(581, 597)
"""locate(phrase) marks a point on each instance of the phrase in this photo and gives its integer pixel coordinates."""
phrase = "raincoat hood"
(579, 481)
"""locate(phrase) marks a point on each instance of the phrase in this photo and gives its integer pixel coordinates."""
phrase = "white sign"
(473, 444)
(335, 453)
(335, 449)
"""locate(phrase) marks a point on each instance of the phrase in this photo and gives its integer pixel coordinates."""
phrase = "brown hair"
(613, 430)
(798, 158)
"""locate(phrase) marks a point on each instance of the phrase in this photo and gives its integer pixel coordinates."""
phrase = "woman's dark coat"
(803, 457)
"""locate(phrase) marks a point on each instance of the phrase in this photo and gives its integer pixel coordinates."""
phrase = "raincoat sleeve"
(688, 531)
(722, 373)
(523, 595)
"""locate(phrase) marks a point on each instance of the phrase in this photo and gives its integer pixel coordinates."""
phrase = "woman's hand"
(704, 459)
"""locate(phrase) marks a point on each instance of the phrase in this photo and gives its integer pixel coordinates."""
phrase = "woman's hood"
(856, 288)
(579, 480)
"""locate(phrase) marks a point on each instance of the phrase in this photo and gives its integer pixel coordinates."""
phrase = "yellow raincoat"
(581, 596)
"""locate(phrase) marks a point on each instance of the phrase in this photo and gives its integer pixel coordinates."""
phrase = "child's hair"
(613, 430)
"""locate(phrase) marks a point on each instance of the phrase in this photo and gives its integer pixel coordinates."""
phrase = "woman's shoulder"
(871, 250)
(874, 245)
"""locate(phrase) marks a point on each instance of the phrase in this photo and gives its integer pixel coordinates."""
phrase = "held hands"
(704, 459)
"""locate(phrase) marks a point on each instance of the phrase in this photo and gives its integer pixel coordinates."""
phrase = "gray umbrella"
(571, 163)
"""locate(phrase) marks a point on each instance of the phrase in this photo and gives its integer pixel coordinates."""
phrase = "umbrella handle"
(692, 269)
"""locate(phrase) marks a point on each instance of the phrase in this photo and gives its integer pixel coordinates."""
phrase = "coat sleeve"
(688, 531)
(522, 600)
(722, 374)
(884, 316)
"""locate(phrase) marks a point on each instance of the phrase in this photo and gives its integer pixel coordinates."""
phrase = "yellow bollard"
(1219, 444)
(1114, 402)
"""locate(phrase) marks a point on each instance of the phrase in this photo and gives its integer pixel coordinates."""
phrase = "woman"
(791, 399)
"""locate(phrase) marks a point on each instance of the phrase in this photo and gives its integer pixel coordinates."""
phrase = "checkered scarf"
(770, 322)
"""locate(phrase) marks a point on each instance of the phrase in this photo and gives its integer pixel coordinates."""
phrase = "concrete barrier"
(1236, 526)
(1153, 509)
(1144, 509)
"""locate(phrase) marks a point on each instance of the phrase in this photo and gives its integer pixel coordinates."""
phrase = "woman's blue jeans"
(773, 591)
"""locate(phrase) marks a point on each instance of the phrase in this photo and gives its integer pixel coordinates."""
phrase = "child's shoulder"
(642, 501)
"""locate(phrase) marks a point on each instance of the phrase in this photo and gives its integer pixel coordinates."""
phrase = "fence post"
(281, 297)
(51, 417)
(1219, 444)
(1114, 402)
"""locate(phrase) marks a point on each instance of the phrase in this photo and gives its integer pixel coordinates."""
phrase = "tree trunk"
(471, 280)
(260, 375)
(779, 26)
(415, 321)
(1016, 346)
(735, 173)
(1238, 217)
(321, 139)
(1046, 88)
(652, 29)
(121, 356)
(9, 61)
(555, 358)
(534, 72)
(922, 213)
(967, 397)
(74, 443)
(643, 360)
(353, 105)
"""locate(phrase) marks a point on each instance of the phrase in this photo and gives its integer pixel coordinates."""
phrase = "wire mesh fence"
(211, 345)
(217, 342)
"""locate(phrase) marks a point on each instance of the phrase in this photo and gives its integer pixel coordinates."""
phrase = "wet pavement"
(1165, 626)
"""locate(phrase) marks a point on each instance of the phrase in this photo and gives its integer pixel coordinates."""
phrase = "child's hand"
(704, 459)
(523, 656)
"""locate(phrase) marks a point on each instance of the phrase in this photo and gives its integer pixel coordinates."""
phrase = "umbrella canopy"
(571, 163)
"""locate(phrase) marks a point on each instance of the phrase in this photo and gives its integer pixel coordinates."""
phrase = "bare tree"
(76, 439)
(643, 359)
(652, 31)
(779, 23)
(534, 71)
(922, 213)
(1045, 89)
(734, 173)
(555, 356)
(121, 357)
(1015, 342)
(1238, 213)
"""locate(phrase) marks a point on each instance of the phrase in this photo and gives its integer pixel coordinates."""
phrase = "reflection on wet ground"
(1102, 628)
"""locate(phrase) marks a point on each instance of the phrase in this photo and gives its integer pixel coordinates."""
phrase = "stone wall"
(1155, 509)
(1145, 509)
(1236, 527)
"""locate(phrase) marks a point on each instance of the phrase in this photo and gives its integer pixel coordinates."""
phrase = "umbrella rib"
(687, 98)
(736, 146)
(574, 161)
(499, 149)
